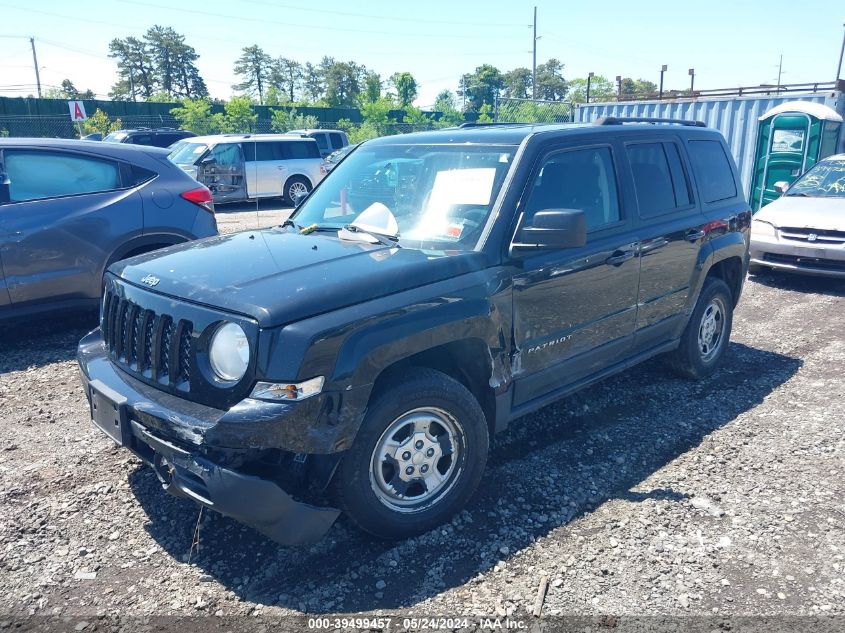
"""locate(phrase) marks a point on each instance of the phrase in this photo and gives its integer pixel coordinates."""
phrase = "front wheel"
(705, 339)
(418, 457)
(296, 186)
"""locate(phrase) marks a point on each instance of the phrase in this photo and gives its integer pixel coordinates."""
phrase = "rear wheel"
(705, 339)
(418, 457)
(296, 186)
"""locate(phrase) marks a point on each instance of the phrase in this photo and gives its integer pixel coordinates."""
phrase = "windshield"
(440, 195)
(115, 137)
(825, 180)
(187, 153)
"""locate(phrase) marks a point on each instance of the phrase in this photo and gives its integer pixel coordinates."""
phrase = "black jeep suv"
(431, 290)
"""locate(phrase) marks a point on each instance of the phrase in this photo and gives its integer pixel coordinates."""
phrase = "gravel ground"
(645, 494)
(243, 216)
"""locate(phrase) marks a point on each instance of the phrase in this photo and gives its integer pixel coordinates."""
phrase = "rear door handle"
(618, 258)
(694, 236)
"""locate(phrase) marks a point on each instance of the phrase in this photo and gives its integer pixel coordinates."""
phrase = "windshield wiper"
(385, 240)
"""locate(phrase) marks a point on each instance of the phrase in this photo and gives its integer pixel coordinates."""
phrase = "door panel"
(671, 229)
(574, 310)
(56, 248)
(4, 292)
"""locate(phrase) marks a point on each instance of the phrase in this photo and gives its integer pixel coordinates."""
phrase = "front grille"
(153, 345)
(821, 236)
(816, 263)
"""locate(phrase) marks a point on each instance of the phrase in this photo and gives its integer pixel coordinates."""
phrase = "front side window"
(712, 170)
(440, 195)
(35, 175)
(337, 140)
(824, 180)
(583, 179)
(226, 154)
(322, 142)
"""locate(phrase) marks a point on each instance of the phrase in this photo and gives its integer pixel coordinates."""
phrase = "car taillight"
(200, 196)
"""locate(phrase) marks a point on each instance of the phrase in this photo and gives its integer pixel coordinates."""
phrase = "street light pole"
(692, 81)
(662, 70)
(619, 87)
(841, 52)
(534, 63)
(589, 79)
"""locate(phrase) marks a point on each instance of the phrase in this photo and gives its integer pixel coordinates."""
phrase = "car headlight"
(228, 353)
(762, 229)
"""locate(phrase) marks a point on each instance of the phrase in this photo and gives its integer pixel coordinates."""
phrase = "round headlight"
(229, 352)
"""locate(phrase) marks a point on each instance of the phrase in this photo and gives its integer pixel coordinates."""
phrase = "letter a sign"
(77, 111)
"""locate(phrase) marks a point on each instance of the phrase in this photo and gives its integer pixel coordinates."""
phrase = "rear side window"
(659, 178)
(35, 175)
(140, 139)
(712, 170)
(336, 139)
(300, 149)
(268, 151)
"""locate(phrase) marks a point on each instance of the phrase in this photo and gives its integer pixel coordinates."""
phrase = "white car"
(803, 231)
(237, 167)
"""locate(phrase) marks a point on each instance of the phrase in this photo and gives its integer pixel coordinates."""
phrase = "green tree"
(253, 66)
(343, 81)
(195, 115)
(637, 88)
(445, 104)
(284, 119)
(68, 91)
(286, 76)
(405, 86)
(135, 70)
(481, 87)
(174, 63)
(313, 84)
(550, 82)
(601, 89)
(99, 122)
(238, 117)
(372, 87)
(517, 83)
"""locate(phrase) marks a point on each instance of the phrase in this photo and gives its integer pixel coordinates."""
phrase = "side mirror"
(781, 186)
(299, 197)
(208, 161)
(552, 229)
(5, 188)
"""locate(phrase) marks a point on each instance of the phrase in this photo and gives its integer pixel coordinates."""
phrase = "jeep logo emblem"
(150, 280)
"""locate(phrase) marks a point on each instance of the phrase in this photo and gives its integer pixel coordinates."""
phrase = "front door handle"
(694, 236)
(619, 257)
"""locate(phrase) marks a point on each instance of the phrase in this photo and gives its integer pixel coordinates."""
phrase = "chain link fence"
(512, 110)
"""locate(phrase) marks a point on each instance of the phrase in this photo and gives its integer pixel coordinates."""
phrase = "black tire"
(294, 184)
(691, 360)
(356, 483)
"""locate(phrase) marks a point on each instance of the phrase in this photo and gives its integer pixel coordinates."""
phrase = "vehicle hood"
(278, 276)
(800, 212)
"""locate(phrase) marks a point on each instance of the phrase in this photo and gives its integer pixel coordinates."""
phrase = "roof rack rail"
(619, 120)
(489, 124)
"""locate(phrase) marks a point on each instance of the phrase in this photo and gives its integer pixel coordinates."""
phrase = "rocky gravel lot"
(645, 494)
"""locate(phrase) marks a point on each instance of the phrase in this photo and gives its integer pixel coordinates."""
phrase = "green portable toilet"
(791, 138)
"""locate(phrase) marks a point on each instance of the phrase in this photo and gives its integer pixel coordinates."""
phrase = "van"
(327, 140)
(239, 167)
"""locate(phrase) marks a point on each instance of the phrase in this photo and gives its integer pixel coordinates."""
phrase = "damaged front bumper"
(122, 408)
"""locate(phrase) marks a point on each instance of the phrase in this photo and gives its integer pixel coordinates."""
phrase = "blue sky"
(729, 43)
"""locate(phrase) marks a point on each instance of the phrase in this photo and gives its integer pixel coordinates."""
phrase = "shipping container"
(736, 117)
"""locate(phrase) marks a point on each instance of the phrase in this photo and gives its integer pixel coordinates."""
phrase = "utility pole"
(35, 62)
(692, 81)
(841, 52)
(662, 70)
(589, 80)
(534, 63)
(619, 87)
(780, 72)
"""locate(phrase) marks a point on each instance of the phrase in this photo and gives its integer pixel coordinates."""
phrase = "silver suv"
(327, 140)
(237, 167)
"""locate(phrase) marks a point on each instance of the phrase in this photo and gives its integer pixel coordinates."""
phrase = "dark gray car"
(70, 208)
